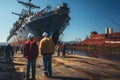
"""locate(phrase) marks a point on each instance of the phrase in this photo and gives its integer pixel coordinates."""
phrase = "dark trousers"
(30, 63)
(47, 63)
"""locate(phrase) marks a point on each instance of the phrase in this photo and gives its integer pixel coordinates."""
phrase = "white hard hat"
(45, 34)
(30, 35)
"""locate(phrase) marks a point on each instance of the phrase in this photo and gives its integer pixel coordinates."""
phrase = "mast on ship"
(29, 5)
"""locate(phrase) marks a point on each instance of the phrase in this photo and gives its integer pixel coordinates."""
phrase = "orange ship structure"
(107, 40)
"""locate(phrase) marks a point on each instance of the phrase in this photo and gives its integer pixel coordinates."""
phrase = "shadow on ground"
(67, 78)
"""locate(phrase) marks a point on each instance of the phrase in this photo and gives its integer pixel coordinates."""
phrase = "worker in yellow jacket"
(46, 48)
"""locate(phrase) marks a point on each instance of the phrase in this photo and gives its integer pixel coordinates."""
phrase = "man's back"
(30, 49)
(47, 45)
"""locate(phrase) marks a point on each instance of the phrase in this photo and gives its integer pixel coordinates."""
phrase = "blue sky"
(86, 16)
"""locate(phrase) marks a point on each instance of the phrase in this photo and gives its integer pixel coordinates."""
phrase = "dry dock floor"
(73, 67)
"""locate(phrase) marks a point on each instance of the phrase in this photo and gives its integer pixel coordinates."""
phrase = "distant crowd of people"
(30, 50)
(61, 48)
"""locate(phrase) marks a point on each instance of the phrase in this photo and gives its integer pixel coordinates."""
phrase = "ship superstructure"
(52, 21)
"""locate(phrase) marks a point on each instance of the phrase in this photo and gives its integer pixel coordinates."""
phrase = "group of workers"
(30, 51)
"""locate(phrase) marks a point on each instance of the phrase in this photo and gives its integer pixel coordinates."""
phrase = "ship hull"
(53, 22)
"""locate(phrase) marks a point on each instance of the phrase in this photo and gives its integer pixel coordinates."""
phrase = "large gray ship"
(52, 21)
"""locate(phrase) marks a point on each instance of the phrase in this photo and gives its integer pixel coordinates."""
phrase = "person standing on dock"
(8, 50)
(46, 48)
(63, 50)
(30, 52)
(58, 49)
